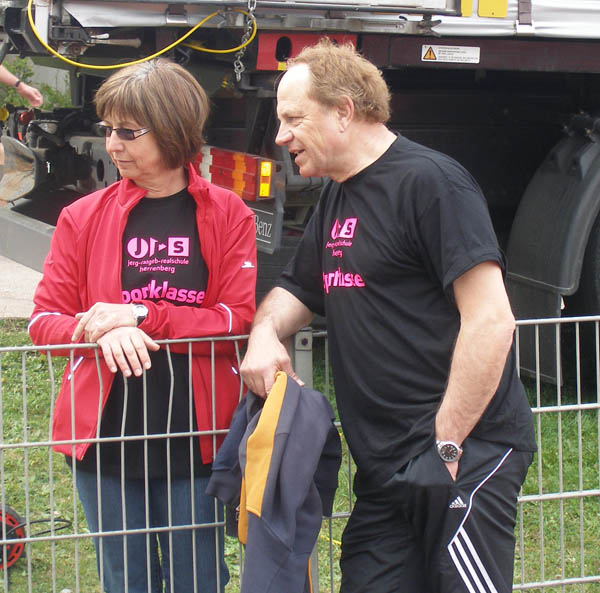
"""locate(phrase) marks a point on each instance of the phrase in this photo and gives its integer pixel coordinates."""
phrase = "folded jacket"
(279, 465)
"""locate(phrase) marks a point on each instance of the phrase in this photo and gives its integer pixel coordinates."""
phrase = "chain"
(238, 65)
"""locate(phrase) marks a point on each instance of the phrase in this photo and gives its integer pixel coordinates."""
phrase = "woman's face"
(139, 159)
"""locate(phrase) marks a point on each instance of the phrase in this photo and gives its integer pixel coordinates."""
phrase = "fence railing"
(47, 546)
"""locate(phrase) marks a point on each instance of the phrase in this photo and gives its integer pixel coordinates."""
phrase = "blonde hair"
(163, 96)
(337, 70)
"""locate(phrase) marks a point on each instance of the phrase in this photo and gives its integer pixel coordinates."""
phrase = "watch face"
(448, 451)
(140, 313)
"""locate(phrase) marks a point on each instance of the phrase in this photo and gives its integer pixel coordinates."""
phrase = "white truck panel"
(577, 19)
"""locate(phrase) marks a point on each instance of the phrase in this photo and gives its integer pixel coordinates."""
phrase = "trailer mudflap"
(547, 242)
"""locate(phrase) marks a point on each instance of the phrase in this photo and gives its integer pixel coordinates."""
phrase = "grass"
(36, 482)
(555, 539)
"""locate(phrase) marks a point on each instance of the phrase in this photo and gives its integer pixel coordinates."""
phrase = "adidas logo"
(247, 264)
(458, 503)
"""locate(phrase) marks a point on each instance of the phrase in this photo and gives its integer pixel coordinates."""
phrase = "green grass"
(25, 485)
(36, 482)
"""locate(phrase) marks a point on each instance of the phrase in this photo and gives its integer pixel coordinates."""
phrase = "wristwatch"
(448, 451)
(140, 312)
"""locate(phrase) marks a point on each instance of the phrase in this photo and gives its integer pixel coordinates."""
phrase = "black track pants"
(421, 532)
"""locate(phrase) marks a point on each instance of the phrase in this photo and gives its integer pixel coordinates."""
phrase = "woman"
(160, 254)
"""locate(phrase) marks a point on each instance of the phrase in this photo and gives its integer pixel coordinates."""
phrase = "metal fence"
(46, 545)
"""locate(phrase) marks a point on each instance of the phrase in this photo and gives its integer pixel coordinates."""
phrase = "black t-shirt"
(161, 261)
(378, 258)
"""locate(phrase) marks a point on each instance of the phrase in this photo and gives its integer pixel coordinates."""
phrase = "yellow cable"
(329, 539)
(154, 55)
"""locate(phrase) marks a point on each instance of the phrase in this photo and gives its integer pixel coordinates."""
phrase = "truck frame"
(510, 88)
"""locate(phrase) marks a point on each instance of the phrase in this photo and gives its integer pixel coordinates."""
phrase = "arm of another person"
(484, 340)
(26, 91)
(279, 316)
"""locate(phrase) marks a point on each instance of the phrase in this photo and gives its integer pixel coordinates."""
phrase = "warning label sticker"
(450, 53)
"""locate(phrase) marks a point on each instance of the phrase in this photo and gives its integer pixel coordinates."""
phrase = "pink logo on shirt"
(175, 246)
(344, 231)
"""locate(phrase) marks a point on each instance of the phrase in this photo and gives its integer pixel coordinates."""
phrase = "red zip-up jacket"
(83, 267)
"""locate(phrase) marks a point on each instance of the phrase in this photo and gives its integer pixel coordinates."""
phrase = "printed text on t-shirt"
(341, 279)
(342, 235)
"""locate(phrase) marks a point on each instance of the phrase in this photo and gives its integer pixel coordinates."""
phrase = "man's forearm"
(486, 332)
(283, 312)
(279, 316)
(477, 365)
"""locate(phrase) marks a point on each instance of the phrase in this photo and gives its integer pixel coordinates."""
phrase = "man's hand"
(452, 468)
(126, 348)
(265, 356)
(102, 318)
(279, 316)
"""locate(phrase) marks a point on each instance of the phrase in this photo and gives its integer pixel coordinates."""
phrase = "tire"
(14, 530)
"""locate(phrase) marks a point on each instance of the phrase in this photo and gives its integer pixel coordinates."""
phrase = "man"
(401, 257)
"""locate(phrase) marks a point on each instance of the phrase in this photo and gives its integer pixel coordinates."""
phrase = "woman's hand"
(100, 319)
(126, 348)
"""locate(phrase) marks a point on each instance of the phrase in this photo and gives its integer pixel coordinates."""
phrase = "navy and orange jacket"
(83, 267)
(279, 464)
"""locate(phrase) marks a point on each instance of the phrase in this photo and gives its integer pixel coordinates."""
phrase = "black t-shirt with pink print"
(379, 258)
(162, 260)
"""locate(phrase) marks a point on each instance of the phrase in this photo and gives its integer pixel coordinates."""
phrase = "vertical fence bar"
(521, 520)
(597, 367)
(98, 479)
(26, 469)
(578, 389)
(72, 381)
(147, 535)
(171, 585)
(560, 449)
(51, 472)
(191, 438)
(597, 363)
(3, 482)
(302, 361)
(214, 439)
(538, 397)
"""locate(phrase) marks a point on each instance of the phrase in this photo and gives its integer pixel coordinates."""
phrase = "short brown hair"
(337, 70)
(163, 96)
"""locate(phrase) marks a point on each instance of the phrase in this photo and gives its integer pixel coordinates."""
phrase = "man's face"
(308, 129)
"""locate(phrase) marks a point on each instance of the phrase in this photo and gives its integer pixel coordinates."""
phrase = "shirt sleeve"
(303, 275)
(57, 296)
(453, 226)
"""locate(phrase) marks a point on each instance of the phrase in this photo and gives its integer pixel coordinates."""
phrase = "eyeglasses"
(122, 133)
